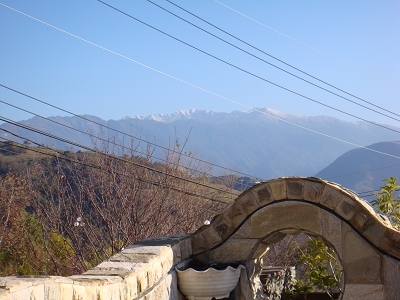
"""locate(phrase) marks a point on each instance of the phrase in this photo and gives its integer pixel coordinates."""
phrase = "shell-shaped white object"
(204, 285)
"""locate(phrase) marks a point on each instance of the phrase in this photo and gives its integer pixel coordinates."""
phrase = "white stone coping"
(133, 273)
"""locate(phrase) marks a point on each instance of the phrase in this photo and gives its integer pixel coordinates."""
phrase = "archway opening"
(301, 265)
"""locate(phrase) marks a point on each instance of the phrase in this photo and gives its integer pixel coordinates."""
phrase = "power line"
(104, 154)
(245, 71)
(362, 171)
(275, 66)
(203, 173)
(195, 86)
(121, 132)
(60, 156)
(112, 142)
(308, 46)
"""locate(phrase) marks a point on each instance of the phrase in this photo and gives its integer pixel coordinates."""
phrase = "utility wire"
(344, 175)
(164, 160)
(245, 71)
(60, 156)
(308, 46)
(275, 66)
(57, 155)
(107, 155)
(195, 86)
(113, 142)
(126, 134)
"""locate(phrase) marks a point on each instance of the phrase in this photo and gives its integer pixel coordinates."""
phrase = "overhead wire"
(193, 85)
(107, 155)
(275, 66)
(366, 148)
(119, 145)
(60, 156)
(306, 45)
(349, 174)
(124, 133)
(160, 159)
(245, 71)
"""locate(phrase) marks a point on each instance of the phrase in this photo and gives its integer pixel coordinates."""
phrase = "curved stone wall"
(367, 246)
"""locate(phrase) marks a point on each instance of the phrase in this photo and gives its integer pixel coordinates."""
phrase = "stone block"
(248, 203)
(110, 291)
(142, 281)
(168, 240)
(166, 265)
(157, 270)
(391, 277)
(51, 290)
(295, 189)
(279, 216)
(330, 197)
(332, 231)
(312, 191)
(6, 295)
(364, 292)
(347, 208)
(233, 250)
(262, 193)
(236, 215)
(131, 286)
(362, 264)
(391, 242)
(361, 220)
(375, 233)
(278, 188)
(79, 292)
(118, 266)
(186, 248)
(204, 240)
(14, 284)
(177, 254)
(223, 226)
(66, 290)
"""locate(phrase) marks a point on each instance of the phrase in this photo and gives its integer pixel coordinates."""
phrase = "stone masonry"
(143, 271)
(367, 246)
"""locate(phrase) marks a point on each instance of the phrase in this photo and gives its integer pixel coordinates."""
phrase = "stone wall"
(143, 271)
(367, 246)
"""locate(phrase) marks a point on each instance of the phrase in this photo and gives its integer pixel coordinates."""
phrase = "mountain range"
(361, 169)
(261, 142)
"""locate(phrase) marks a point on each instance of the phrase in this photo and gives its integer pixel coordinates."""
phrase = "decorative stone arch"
(368, 247)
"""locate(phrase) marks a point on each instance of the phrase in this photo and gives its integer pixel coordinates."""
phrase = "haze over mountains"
(250, 142)
(361, 170)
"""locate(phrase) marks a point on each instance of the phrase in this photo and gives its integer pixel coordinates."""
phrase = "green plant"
(322, 272)
(386, 201)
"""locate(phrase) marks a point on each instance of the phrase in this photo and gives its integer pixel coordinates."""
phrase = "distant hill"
(250, 142)
(366, 170)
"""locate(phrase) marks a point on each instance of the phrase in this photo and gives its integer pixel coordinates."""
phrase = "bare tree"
(97, 204)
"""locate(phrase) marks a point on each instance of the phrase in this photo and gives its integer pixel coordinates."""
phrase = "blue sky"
(55, 67)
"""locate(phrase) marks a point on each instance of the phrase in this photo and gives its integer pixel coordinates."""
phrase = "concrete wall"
(143, 271)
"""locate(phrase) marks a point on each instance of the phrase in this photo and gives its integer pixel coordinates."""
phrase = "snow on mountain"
(255, 143)
(207, 115)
